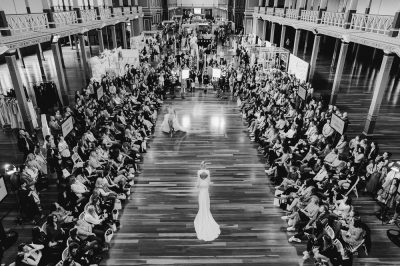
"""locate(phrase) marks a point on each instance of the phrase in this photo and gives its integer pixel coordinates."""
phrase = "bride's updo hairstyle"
(203, 174)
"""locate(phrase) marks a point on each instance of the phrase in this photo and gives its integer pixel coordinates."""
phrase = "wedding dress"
(171, 122)
(206, 227)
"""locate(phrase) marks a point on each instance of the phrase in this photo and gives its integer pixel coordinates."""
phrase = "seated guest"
(80, 190)
(55, 234)
(99, 223)
(353, 236)
(322, 174)
(64, 217)
(332, 156)
(301, 217)
(29, 254)
(327, 252)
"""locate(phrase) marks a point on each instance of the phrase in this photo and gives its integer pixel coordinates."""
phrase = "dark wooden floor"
(157, 224)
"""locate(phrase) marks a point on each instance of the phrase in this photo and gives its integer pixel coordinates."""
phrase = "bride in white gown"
(170, 123)
(206, 227)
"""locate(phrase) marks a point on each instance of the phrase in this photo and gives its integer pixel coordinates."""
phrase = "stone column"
(368, 8)
(123, 31)
(113, 36)
(271, 38)
(61, 55)
(39, 57)
(62, 82)
(283, 33)
(132, 28)
(395, 24)
(76, 46)
(70, 42)
(19, 90)
(4, 24)
(339, 71)
(255, 26)
(107, 38)
(101, 41)
(314, 56)
(89, 44)
(380, 85)
(20, 57)
(296, 42)
(306, 42)
(41, 52)
(140, 24)
(84, 57)
(335, 52)
(136, 27)
(323, 4)
(350, 10)
(264, 30)
(76, 8)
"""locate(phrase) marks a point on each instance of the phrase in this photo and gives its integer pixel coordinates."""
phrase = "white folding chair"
(329, 231)
(43, 228)
(76, 158)
(64, 254)
(362, 244)
(340, 249)
(108, 235)
(353, 188)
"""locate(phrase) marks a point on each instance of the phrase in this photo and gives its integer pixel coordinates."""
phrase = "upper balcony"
(28, 29)
(65, 18)
(23, 23)
(378, 31)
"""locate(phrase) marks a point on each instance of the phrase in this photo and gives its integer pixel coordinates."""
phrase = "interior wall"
(35, 6)
(333, 5)
(384, 7)
(198, 3)
(362, 5)
(13, 6)
(251, 4)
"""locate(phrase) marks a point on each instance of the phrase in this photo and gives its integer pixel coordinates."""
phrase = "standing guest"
(25, 143)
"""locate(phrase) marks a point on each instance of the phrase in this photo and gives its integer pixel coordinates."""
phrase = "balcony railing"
(261, 10)
(309, 15)
(105, 13)
(270, 11)
(279, 12)
(88, 15)
(292, 13)
(117, 12)
(372, 23)
(62, 19)
(27, 22)
(333, 18)
(127, 10)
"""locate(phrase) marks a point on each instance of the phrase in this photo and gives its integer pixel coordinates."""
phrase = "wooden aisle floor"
(157, 223)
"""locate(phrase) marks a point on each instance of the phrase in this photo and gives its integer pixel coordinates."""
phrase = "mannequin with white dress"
(206, 227)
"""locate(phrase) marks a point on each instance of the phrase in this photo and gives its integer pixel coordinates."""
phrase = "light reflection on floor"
(217, 124)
